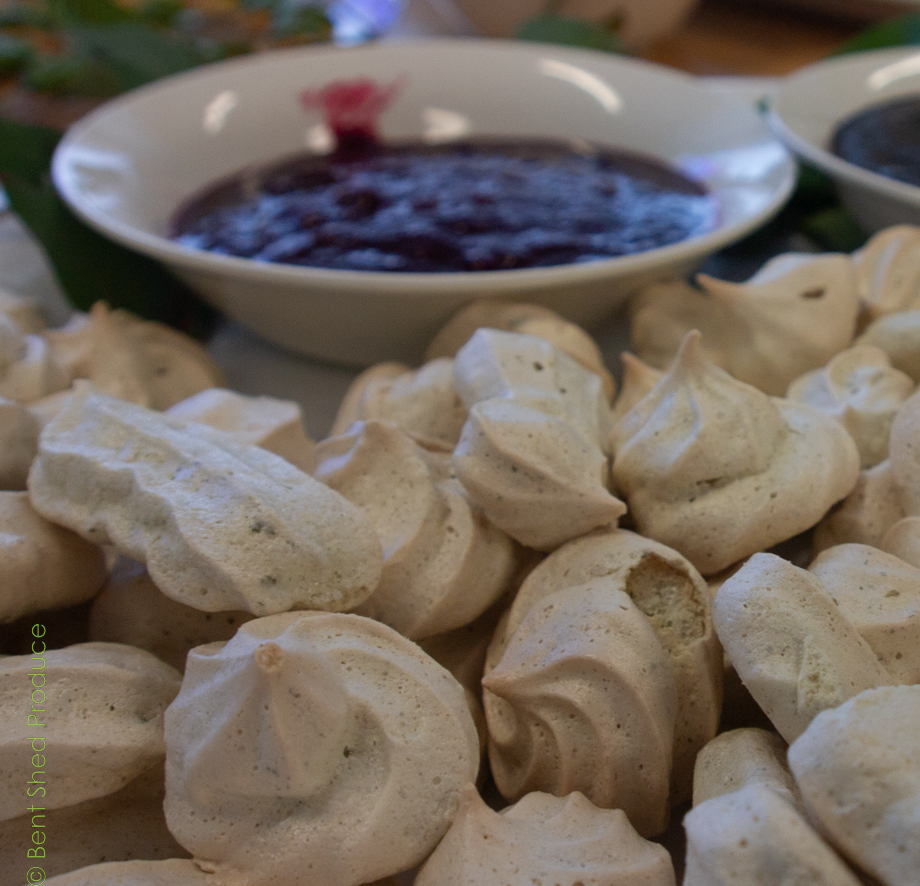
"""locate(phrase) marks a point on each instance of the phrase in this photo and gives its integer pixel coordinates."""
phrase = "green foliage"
(553, 28)
(901, 31)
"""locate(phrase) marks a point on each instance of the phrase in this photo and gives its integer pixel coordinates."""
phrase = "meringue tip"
(690, 353)
(269, 657)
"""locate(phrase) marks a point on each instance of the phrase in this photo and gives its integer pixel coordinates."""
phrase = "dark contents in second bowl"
(470, 206)
(884, 139)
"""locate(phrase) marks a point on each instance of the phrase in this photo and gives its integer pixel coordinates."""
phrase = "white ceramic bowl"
(127, 166)
(812, 101)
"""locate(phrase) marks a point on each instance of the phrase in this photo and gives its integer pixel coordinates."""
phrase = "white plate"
(809, 105)
(127, 166)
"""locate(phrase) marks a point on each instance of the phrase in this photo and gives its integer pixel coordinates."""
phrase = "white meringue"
(22, 311)
(792, 647)
(18, 443)
(220, 526)
(866, 514)
(315, 749)
(898, 335)
(860, 389)
(168, 872)
(674, 598)
(583, 699)
(905, 454)
(638, 379)
(42, 566)
(132, 359)
(351, 408)
(902, 540)
(544, 839)
(717, 470)
(131, 609)
(792, 316)
(273, 424)
(529, 320)
(102, 708)
(880, 596)
(858, 768)
(888, 271)
(444, 563)
(28, 370)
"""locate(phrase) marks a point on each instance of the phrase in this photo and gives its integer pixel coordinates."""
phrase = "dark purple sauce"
(478, 205)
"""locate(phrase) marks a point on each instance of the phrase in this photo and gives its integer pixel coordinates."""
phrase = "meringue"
(898, 335)
(866, 514)
(544, 839)
(583, 699)
(888, 271)
(444, 563)
(132, 359)
(315, 748)
(529, 320)
(351, 408)
(131, 609)
(880, 596)
(22, 311)
(902, 540)
(860, 389)
(638, 379)
(717, 470)
(100, 705)
(18, 443)
(273, 424)
(792, 647)
(858, 768)
(168, 872)
(674, 598)
(220, 525)
(792, 316)
(752, 837)
(905, 454)
(42, 566)
(28, 370)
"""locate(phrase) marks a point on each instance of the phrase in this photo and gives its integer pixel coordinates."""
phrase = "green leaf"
(86, 12)
(901, 31)
(31, 15)
(834, 230)
(306, 23)
(14, 54)
(25, 151)
(161, 12)
(552, 28)
(71, 75)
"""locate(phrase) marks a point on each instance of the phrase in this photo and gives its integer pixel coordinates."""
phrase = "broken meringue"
(28, 370)
(792, 647)
(792, 316)
(583, 699)
(860, 389)
(888, 271)
(444, 563)
(18, 443)
(42, 566)
(544, 839)
(273, 424)
(220, 525)
(717, 470)
(315, 749)
(858, 768)
(101, 707)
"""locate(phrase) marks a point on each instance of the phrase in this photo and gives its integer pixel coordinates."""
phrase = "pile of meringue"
(503, 627)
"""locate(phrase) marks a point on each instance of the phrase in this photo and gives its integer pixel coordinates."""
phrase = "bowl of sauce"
(857, 119)
(344, 203)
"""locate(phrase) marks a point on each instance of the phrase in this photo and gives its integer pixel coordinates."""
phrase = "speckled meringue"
(18, 443)
(28, 370)
(273, 424)
(879, 595)
(166, 872)
(527, 319)
(905, 454)
(638, 379)
(866, 514)
(102, 708)
(131, 609)
(544, 839)
(902, 540)
(792, 647)
(674, 598)
(741, 757)
(423, 403)
(858, 768)
(220, 525)
(121, 826)
(42, 565)
(22, 311)
(351, 408)
(444, 563)
(753, 837)
(583, 699)
(860, 389)
(888, 271)
(898, 335)
(132, 359)
(315, 748)
(718, 470)
(792, 316)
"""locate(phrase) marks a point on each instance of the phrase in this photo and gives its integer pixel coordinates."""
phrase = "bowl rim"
(410, 283)
(817, 155)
